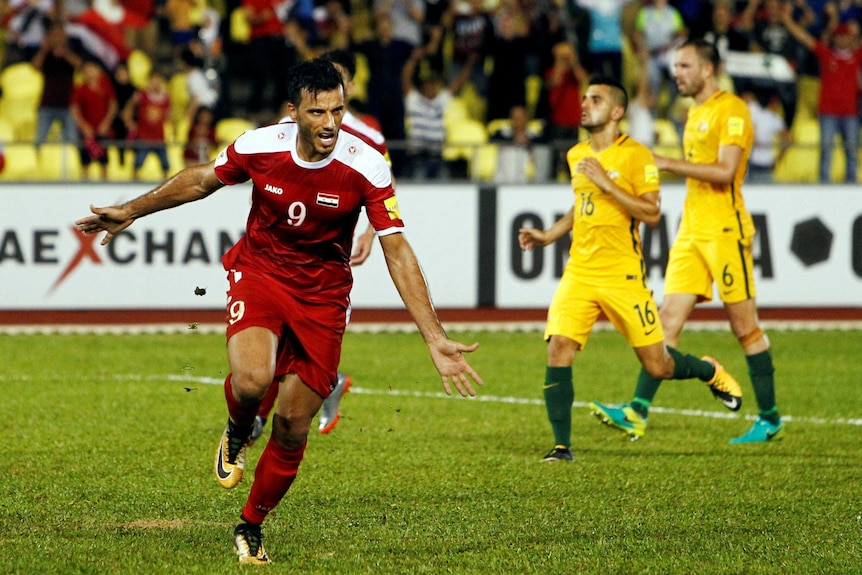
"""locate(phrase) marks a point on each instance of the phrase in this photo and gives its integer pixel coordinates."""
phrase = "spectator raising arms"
(425, 107)
(840, 63)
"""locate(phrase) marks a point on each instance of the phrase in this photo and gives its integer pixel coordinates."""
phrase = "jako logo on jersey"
(328, 200)
(273, 189)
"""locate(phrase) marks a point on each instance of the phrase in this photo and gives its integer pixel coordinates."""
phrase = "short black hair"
(706, 51)
(314, 76)
(342, 58)
(619, 92)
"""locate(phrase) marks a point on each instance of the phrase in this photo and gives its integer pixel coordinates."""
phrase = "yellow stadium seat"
(476, 104)
(140, 66)
(175, 157)
(484, 165)
(59, 162)
(240, 31)
(456, 111)
(801, 162)
(468, 140)
(21, 162)
(497, 125)
(533, 88)
(808, 90)
(22, 86)
(120, 172)
(179, 92)
(360, 79)
(7, 130)
(668, 142)
(229, 129)
(180, 131)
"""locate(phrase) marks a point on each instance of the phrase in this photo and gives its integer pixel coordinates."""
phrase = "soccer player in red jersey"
(290, 277)
(345, 63)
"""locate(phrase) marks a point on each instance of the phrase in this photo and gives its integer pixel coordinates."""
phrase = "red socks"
(242, 414)
(273, 476)
(268, 401)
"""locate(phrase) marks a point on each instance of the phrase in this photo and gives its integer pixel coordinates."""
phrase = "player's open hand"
(447, 358)
(112, 220)
(362, 248)
(528, 238)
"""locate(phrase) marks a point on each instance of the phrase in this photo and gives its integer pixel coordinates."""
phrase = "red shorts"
(309, 327)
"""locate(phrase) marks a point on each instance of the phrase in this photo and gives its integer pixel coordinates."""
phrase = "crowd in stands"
(458, 87)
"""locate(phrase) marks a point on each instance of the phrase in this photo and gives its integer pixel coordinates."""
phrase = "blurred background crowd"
(462, 89)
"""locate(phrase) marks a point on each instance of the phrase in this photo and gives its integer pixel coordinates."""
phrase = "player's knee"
(561, 350)
(251, 385)
(290, 433)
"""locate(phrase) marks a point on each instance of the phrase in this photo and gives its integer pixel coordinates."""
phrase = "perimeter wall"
(808, 251)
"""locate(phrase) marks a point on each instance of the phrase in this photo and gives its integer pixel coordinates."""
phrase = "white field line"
(530, 401)
(203, 380)
(404, 327)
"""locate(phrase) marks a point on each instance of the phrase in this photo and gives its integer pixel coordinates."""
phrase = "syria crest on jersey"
(327, 200)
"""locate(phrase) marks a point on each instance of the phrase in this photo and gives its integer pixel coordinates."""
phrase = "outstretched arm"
(189, 185)
(797, 31)
(410, 282)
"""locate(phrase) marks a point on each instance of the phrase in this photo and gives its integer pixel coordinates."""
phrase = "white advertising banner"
(168, 259)
(808, 251)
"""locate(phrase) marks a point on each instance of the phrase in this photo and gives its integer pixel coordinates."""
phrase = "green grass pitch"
(108, 444)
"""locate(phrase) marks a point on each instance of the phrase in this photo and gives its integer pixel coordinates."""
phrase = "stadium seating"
(240, 31)
(21, 162)
(7, 130)
(140, 65)
(456, 111)
(668, 142)
(476, 104)
(59, 162)
(468, 140)
(229, 129)
(801, 163)
(533, 85)
(120, 172)
(179, 94)
(22, 86)
(360, 79)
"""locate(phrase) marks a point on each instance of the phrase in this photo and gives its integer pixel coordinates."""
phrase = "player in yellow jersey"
(714, 241)
(616, 187)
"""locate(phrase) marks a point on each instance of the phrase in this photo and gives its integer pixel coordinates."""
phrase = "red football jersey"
(372, 136)
(300, 227)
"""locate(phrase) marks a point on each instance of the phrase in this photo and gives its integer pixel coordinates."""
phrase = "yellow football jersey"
(606, 243)
(715, 210)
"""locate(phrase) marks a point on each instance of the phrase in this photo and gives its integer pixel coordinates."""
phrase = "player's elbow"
(652, 219)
